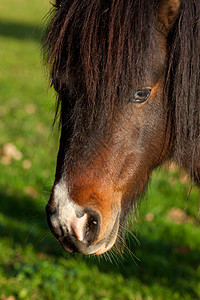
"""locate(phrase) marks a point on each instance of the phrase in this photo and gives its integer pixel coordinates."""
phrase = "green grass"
(32, 264)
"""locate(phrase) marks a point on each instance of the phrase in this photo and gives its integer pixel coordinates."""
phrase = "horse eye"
(141, 96)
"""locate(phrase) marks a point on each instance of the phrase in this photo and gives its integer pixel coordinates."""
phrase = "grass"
(32, 264)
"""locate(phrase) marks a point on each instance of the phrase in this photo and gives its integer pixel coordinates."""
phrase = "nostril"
(85, 227)
(75, 229)
(92, 227)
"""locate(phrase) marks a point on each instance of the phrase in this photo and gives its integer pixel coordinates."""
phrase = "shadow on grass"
(25, 223)
(21, 31)
(160, 264)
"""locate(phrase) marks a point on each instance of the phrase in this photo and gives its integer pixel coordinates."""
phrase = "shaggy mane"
(96, 43)
(184, 86)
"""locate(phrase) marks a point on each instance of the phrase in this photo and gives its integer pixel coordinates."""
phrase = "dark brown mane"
(102, 41)
(184, 85)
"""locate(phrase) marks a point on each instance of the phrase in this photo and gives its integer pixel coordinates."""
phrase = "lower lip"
(101, 250)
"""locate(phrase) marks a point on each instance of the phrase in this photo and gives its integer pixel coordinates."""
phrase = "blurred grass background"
(166, 262)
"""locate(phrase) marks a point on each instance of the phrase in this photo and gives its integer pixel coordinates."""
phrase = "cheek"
(151, 118)
(146, 135)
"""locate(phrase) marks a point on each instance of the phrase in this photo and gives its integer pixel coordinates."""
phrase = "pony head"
(127, 77)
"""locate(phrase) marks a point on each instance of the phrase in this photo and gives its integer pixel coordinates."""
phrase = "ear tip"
(168, 11)
(175, 5)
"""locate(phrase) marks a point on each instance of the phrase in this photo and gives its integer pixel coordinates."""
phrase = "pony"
(127, 78)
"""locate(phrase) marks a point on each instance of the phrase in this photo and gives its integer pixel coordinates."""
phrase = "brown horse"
(127, 75)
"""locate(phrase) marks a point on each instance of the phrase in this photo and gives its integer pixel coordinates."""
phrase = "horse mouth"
(72, 245)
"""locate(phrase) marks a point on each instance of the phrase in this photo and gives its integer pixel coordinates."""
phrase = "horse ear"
(168, 11)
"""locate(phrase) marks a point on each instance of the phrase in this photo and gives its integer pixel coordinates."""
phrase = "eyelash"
(141, 96)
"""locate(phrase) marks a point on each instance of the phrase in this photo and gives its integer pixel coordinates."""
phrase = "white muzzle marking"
(67, 211)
